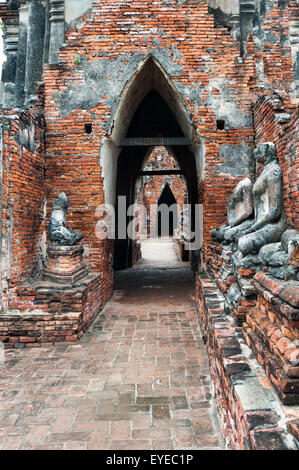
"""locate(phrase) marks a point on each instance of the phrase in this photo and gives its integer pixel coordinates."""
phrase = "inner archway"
(166, 228)
(160, 169)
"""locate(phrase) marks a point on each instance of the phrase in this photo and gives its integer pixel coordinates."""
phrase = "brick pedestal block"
(53, 312)
(272, 331)
(215, 261)
(250, 412)
(65, 264)
(235, 284)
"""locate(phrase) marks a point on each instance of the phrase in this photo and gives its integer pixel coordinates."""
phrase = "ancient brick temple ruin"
(94, 89)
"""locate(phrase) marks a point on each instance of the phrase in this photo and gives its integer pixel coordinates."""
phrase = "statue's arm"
(245, 209)
(275, 202)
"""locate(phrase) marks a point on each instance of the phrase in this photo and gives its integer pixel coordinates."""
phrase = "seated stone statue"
(59, 233)
(240, 208)
(269, 221)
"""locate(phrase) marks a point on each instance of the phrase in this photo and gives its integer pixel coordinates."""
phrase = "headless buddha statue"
(269, 217)
(59, 233)
(240, 208)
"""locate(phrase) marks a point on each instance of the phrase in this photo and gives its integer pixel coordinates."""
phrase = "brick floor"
(139, 378)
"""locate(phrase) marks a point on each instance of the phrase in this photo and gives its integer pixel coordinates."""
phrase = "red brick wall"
(22, 195)
(273, 51)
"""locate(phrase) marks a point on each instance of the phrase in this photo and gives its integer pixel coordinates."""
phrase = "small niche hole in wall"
(88, 127)
(220, 124)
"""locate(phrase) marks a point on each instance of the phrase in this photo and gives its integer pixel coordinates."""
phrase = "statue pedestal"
(272, 332)
(65, 264)
(236, 284)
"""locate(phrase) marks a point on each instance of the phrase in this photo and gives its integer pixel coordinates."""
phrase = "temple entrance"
(158, 118)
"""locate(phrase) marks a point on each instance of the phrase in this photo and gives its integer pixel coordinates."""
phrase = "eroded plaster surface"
(75, 8)
(237, 159)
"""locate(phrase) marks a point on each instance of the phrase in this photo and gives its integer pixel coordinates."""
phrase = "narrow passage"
(138, 379)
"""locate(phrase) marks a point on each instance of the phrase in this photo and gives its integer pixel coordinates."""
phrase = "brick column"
(247, 11)
(10, 39)
(56, 29)
(35, 49)
(21, 62)
(14, 4)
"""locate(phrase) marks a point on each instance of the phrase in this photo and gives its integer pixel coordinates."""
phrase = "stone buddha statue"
(59, 233)
(240, 208)
(269, 221)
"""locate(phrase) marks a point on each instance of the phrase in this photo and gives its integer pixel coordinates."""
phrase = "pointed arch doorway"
(150, 112)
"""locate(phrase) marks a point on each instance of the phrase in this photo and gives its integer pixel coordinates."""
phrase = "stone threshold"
(250, 411)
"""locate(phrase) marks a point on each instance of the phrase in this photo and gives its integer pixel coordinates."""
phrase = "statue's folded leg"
(74, 235)
(64, 236)
(232, 233)
(59, 235)
(253, 242)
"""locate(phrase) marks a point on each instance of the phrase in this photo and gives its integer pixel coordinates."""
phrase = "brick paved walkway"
(139, 378)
